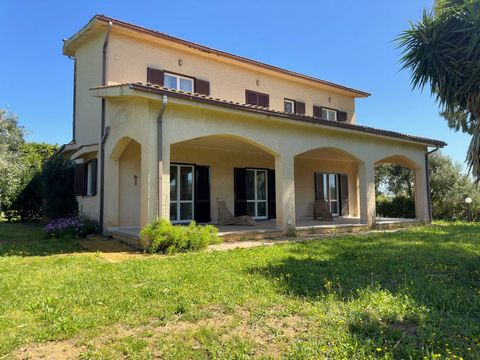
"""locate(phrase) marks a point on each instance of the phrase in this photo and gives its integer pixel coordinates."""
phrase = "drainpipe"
(159, 148)
(74, 115)
(104, 132)
(427, 173)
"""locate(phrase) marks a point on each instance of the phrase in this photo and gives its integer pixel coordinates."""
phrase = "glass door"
(181, 193)
(327, 184)
(257, 194)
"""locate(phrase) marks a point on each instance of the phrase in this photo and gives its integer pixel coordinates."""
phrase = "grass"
(396, 295)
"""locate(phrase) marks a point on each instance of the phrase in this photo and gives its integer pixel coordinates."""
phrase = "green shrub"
(398, 207)
(166, 238)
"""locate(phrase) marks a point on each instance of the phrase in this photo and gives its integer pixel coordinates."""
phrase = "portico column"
(366, 185)
(285, 191)
(164, 182)
(149, 188)
(421, 194)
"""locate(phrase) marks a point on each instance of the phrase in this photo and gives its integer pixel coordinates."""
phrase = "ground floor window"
(181, 193)
(326, 187)
(257, 194)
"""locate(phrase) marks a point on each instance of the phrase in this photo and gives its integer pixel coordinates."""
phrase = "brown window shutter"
(317, 111)
(299, 107)
(79, 187)
(341, 116)
(94, 176)
(250, 97)
(343, 182)
(263, 100)
(202, 87)
(155, 76)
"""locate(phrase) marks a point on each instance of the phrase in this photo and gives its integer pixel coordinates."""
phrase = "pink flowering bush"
(70, 226)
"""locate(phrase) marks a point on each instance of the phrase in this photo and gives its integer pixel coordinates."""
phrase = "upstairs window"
(256, 98)
(289, 106)
(329, 114)
(178, 82)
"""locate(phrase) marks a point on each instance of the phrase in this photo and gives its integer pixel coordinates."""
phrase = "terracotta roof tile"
(152, 88)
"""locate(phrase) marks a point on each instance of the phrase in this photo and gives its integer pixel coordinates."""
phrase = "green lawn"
(407, 294)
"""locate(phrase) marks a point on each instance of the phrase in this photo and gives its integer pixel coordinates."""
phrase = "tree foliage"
(442, 51)
(11, 166)
(395, 179)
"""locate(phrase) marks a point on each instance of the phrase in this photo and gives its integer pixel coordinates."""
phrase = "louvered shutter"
(79, 185)
(344, 207)
(202, 87)
(240, 191)
(250, 97)
(299, 107)
(317, 111)
(202, 194)
(319, 193)
(263, 100)
(341, 116)
(155, 76)
(272, 207)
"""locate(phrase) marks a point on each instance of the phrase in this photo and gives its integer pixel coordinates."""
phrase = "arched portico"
(327, 174)
(225, 169)
(420, 188)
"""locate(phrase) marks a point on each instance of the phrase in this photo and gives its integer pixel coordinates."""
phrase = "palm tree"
(442, 51)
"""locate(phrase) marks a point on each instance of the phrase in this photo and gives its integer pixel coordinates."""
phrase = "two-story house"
(166, 128)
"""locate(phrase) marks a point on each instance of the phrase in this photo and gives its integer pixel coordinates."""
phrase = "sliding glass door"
(181, 193)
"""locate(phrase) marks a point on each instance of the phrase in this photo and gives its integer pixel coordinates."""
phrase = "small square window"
(329, 114)
(289, 106)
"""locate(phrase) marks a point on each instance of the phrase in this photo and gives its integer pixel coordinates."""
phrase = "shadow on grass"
(436, 268)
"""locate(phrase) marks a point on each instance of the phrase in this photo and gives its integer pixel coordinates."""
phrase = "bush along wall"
(164, 237)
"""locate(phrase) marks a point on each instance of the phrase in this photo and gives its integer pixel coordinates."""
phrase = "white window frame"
(327, 193)
(329, 111)
(178, 78)
(177, 200)
(256, 200)
(290, 102)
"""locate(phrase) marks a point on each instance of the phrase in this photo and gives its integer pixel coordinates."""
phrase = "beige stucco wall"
(129, 197)
(128, 59)
(88, 108)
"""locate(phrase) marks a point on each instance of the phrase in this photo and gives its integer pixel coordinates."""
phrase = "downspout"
(104, 132)
(159, 149)
(74, 115)
(427, 176)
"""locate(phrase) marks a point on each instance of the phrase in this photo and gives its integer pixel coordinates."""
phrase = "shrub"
(57, 188)
(398, 207)
(70, 226)
(166, 238)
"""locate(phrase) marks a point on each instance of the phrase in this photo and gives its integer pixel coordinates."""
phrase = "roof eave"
(131, 88)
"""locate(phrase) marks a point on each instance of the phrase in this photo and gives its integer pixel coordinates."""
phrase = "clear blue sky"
(348, 42)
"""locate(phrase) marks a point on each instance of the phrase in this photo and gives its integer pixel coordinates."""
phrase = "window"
(256, 98)
(86, 178)
(178, 82)
(289, 106)
(329, 114)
